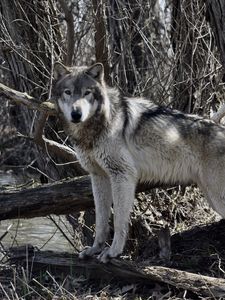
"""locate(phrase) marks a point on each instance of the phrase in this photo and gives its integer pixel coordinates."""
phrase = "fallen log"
(70, 263)
(57, 198)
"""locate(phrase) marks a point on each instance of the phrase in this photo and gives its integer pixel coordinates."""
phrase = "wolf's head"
(79, 91)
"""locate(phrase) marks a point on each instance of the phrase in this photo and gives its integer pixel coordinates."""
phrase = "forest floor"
(195, 242)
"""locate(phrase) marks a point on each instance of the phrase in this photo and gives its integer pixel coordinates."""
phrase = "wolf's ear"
(96, 71)
(59, 70)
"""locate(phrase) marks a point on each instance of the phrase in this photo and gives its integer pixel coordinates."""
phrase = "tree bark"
(64, 197)
(101, 50)
(216, 15)
(68, 60)
(57, 198)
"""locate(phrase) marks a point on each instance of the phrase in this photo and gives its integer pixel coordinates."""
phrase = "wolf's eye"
(87, 92)
(67, 92)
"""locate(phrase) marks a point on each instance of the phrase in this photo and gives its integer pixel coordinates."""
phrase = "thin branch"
(61, 151)
(25, 99)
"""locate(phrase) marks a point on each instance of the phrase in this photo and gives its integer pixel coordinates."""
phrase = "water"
(40, 232)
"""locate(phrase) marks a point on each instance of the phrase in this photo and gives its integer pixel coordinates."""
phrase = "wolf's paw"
(89, 252)
(107, 254)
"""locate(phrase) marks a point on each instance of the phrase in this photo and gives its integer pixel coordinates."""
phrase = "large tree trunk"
(216, 16)
(101, 47)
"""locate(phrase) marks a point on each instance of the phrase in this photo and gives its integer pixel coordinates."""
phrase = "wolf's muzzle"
(76, 115)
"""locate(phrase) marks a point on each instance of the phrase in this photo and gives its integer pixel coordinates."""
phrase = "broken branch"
(25, 99)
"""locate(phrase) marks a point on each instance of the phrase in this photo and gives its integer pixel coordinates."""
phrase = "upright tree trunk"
(216, 16)
(101, 47)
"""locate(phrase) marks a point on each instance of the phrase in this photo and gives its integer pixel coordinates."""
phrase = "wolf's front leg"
(103, 200)
(123, 191)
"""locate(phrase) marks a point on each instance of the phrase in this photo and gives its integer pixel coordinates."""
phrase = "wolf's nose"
(76, 115)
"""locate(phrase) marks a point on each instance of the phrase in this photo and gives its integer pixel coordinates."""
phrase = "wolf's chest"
(89, 161)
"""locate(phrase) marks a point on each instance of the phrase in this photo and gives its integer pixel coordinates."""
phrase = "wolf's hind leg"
(123, 190)
(103, 200)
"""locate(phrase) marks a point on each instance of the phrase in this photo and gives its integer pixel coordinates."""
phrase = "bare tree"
(196, 65)
(32, 39)
(29, 35)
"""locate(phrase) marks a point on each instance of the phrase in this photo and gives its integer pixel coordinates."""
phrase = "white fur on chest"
(88, 161)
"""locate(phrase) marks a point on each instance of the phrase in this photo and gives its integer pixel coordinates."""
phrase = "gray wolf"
(121, 141)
